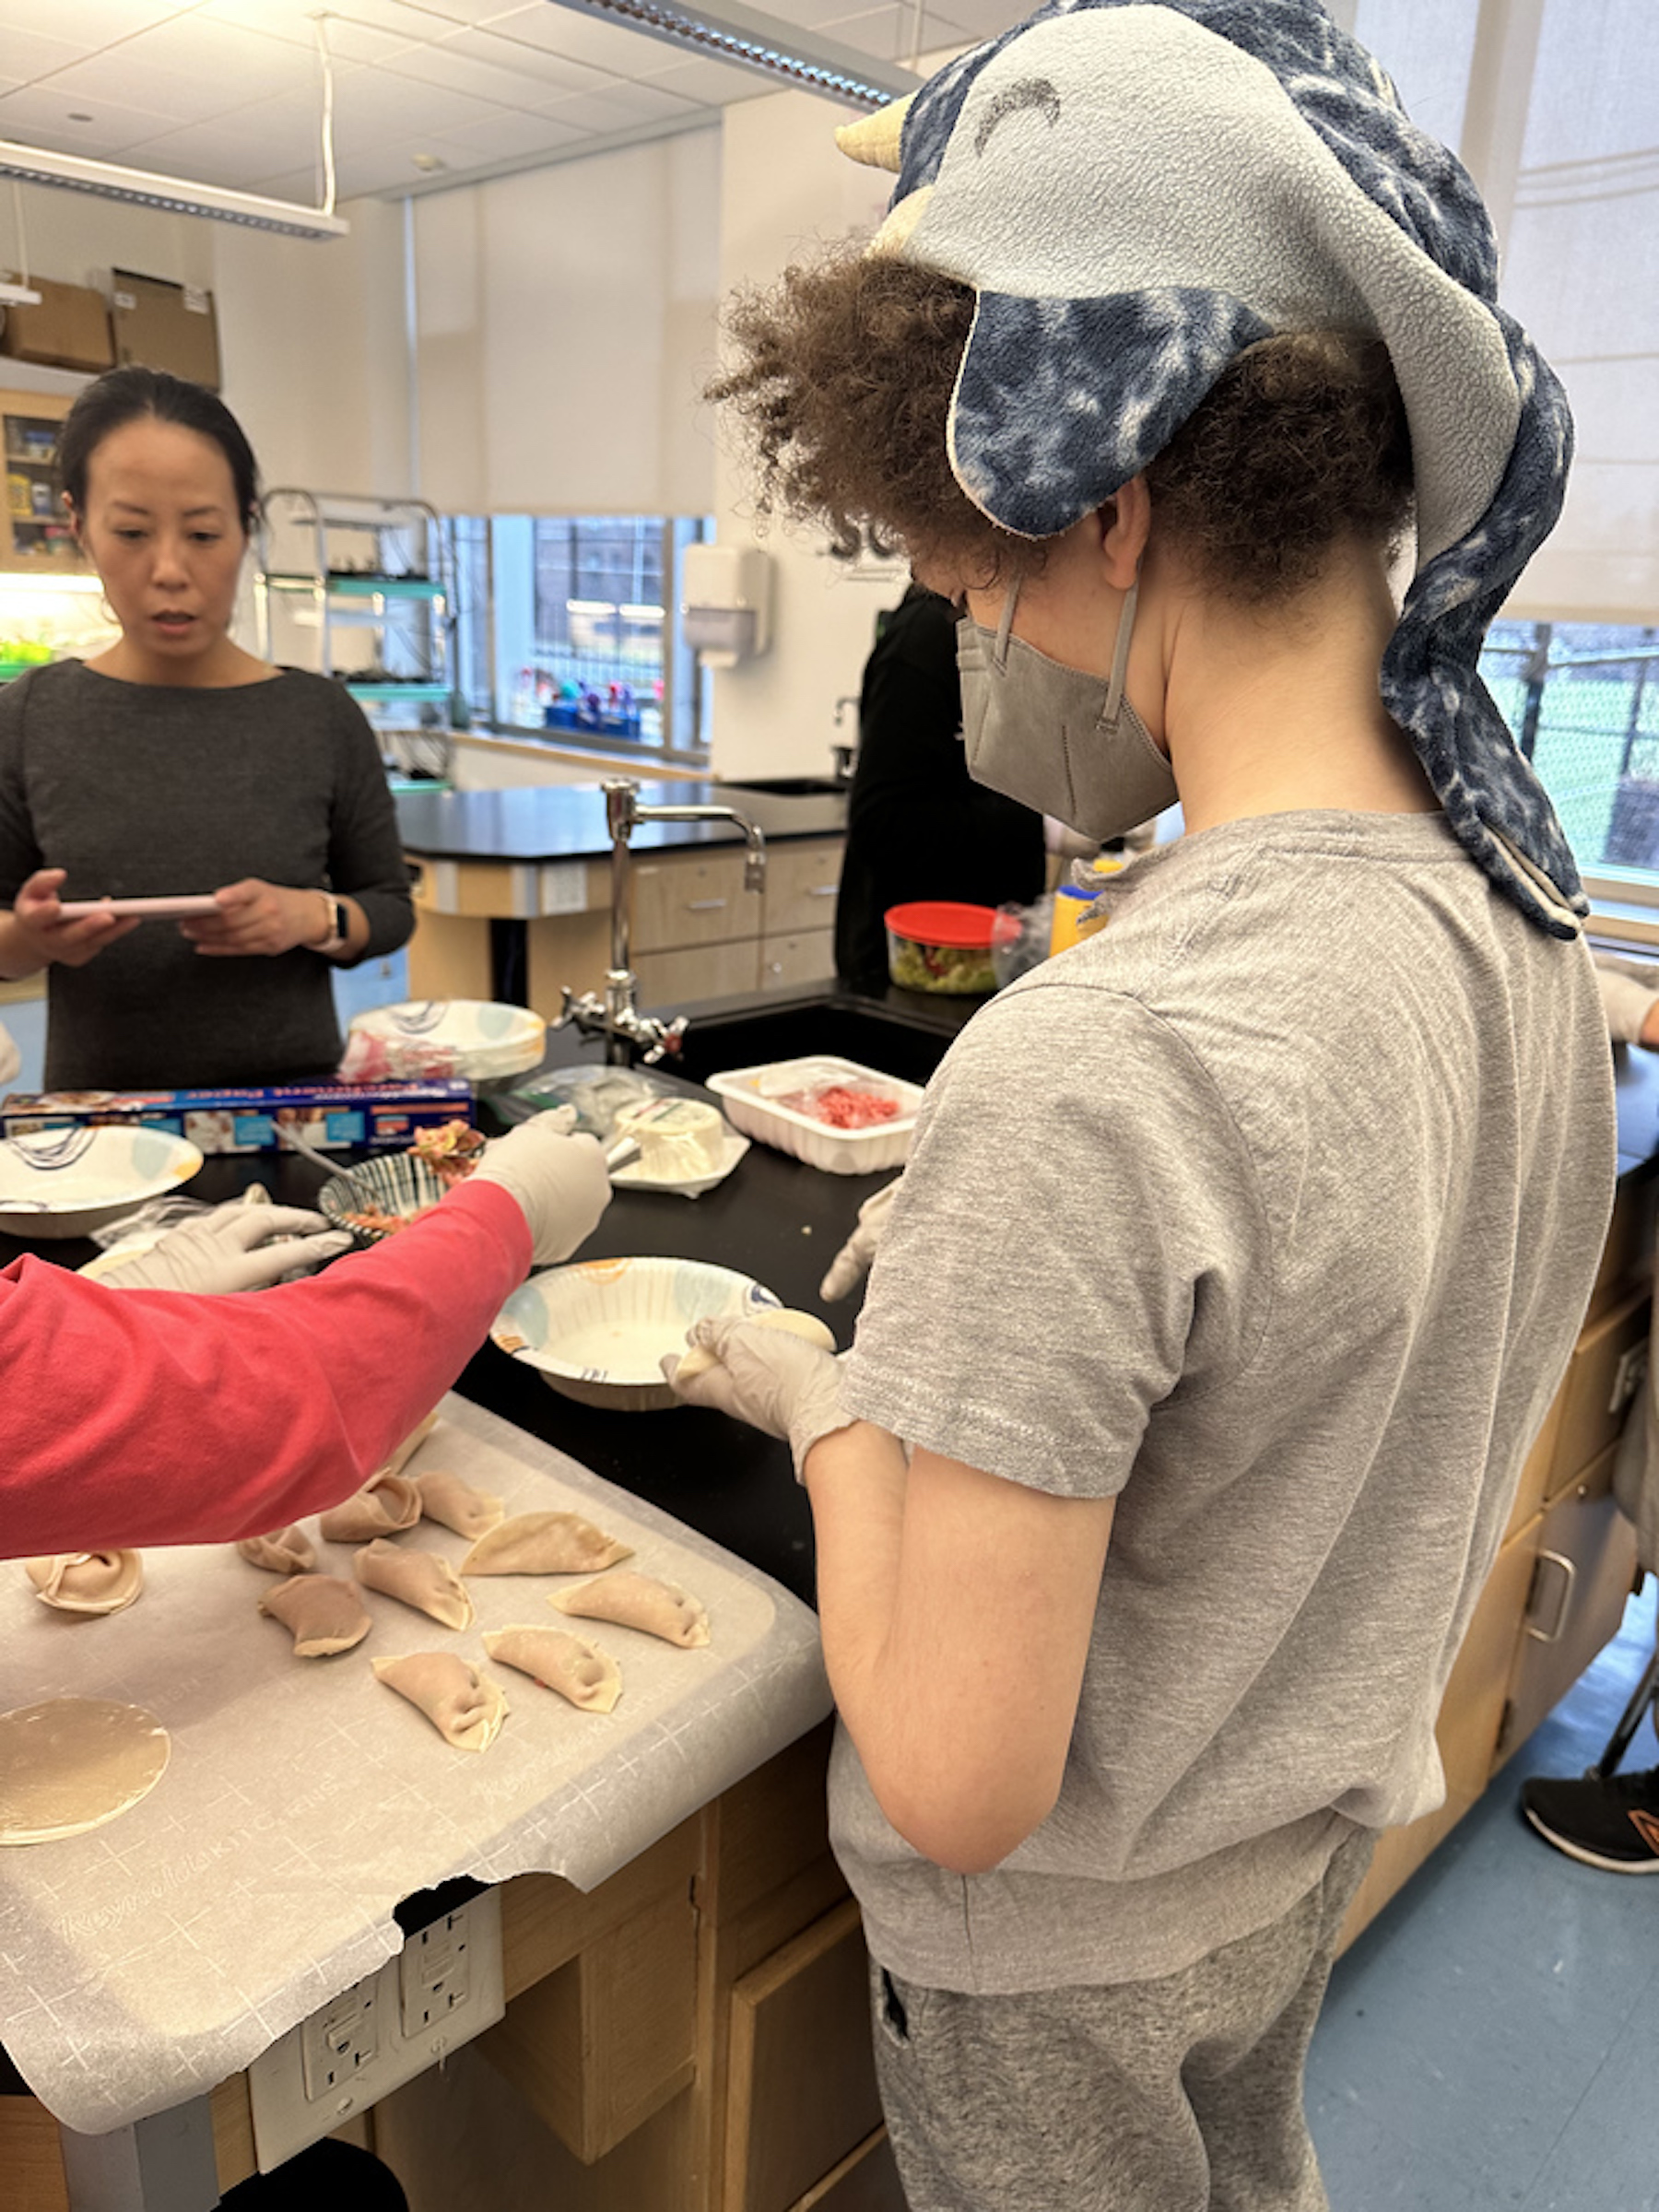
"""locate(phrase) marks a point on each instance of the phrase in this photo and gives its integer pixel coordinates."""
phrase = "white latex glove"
(236, 1247)
(852, 1263)
(560, 1181)
(775, 1381)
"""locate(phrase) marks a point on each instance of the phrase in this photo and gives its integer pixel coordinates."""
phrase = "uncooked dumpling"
(699, 1359)
(289, 1551)
(452, 1500)
(545, 1543)
(410, 1445)
(322, 1611)
(464, 1706)
(577, 1670)
(73, 1763)
(384, 1504)
(639, 1601)
(422, 1578)
(86, 1581)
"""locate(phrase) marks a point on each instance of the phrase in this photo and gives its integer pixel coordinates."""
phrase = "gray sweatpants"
(1179, 2095)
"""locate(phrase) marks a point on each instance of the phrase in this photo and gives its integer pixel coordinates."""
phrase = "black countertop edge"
(566, 821)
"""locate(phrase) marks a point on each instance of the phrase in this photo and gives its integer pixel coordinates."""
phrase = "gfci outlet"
(442, 1990)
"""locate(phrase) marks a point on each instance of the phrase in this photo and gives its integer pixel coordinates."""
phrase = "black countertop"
(773, 1218)
(566, 821)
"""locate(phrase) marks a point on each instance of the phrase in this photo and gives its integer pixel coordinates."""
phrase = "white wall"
(566, 322)
(786, 190)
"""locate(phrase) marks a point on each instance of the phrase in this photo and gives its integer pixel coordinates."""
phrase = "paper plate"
(66, 1182)
(485, 1037)
(598, 1331)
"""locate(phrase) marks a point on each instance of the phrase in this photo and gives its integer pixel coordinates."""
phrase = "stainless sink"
(893, 1040)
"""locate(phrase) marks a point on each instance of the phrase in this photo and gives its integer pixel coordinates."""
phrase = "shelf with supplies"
(34, 531)
(358, 587)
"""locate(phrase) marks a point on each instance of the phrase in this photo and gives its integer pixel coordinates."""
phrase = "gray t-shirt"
(1271, 1211)
(145, 790)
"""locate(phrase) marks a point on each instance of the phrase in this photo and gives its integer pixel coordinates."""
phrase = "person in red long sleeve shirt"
(134, 1416)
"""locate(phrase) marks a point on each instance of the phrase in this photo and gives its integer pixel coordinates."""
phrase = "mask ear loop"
(1120, 654)
(1010, 601)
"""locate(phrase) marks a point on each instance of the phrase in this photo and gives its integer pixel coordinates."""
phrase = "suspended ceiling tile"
(351, 38)
(271, 135)
(887, 32)
(28, 56)
(710, 84)
(117, 78)
(373, 108)
(505, 139)
(576, 36)
(39, 116)
(463, 68)
(540, 64)
(619, 107)
(85, 24)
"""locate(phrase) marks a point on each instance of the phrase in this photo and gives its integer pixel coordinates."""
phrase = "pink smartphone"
(151, 909)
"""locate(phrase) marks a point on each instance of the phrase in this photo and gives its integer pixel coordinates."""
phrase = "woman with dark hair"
(1242, 1247)
(176, 762)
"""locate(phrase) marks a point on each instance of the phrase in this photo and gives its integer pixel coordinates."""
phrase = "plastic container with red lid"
(941, 945)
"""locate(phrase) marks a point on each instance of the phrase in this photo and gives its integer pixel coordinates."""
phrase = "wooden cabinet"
(1557, 1588)
(34, 532)
(696, 933)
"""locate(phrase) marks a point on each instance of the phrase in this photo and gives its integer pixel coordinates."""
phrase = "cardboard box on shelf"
(163, 325)
(381, 1116)
(70, 329)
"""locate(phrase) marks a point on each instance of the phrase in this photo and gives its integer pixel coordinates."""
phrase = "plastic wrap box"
(383, 1117)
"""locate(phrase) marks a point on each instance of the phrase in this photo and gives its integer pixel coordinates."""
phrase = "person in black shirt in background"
(918, 827)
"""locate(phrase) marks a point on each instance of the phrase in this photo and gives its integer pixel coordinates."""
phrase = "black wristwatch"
(339, 930)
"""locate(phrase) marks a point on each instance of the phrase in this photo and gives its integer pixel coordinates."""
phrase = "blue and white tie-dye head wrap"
(1137, 190)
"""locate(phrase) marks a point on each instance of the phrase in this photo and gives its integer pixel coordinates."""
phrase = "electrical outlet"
(435, 1971)
(445, 1988)
(1629, 1376)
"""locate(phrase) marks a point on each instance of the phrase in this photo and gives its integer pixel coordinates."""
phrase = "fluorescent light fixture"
(177, 196)
(19, 295)
(749, 39)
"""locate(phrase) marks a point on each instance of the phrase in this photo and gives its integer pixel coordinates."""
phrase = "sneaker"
(1612, 1824)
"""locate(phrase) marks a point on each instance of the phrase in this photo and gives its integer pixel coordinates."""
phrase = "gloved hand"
(774, 1381)
(236, 1247)
(852, 1263)
(560, 1181)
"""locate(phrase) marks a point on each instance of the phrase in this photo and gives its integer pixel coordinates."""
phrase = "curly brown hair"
(843, 374)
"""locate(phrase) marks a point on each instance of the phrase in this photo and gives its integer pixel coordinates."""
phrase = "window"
(1582, 702)
(565, 625)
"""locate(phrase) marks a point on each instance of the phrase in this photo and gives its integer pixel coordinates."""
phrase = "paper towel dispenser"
(725, 607)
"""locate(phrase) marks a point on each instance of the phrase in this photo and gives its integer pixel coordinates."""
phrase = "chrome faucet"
(616, 1015)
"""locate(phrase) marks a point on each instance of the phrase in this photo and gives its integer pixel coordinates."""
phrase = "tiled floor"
(1492, 2038)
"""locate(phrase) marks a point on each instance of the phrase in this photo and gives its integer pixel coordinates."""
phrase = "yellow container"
(1074, 918)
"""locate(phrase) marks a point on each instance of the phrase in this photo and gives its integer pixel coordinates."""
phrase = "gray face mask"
(1056, 738)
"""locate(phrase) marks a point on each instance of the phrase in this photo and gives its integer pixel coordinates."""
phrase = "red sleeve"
(150, 1416)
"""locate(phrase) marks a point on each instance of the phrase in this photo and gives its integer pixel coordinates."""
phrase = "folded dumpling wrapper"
(576, 1669)
(452, 1500)
(287, 1551)
(422, 1578)
(86, 1581)
(639, 1601)
(545, 1543)
(464, 1706)
(410, 1445)
(324, 1612)
(385, 1503)
(790, 1319)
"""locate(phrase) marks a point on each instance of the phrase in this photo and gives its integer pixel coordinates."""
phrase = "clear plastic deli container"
(833, 1113)
(941, 945)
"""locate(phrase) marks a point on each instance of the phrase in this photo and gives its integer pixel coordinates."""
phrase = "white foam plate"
(486, 1037)
(599, 1330)
(634, 1177)
(66, 1182)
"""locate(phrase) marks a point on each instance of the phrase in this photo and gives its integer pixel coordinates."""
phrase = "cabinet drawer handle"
(1568, 1576)
(823, 890)
(704, 906)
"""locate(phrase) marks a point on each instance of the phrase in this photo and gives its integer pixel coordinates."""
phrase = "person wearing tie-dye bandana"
(1242, 1245)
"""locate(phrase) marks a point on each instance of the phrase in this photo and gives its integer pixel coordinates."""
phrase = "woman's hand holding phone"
(69, 940)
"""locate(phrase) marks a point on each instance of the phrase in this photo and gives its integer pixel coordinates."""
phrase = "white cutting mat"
(145, 1961)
